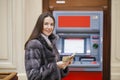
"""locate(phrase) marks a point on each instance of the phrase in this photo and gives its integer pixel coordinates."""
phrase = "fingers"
(64, 64)
(61, 64)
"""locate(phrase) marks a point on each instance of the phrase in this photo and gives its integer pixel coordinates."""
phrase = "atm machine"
(81, 32)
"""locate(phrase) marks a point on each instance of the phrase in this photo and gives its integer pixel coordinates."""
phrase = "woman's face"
(48, 26)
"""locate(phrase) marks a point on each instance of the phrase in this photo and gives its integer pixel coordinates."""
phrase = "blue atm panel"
(81, 32)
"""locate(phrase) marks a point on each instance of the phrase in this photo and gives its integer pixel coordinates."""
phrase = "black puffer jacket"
(40, 60)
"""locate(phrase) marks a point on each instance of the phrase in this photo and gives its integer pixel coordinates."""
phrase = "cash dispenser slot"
(85, 62)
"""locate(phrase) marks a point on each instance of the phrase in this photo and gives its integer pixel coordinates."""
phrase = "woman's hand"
(62, 65)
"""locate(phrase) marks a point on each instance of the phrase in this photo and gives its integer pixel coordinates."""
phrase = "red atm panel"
(74, 21)
(83, 76)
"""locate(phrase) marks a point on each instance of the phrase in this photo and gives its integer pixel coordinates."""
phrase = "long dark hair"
(39, 26)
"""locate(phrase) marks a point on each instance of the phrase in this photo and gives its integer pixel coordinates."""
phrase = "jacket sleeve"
(35, 69)
(64, 72)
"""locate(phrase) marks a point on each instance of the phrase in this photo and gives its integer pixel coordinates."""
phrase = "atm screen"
(73, 45)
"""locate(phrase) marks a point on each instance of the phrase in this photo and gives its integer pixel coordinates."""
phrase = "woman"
(41, 56)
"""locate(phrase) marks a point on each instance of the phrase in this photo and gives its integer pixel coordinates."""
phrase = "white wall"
(115, 41)
(17, 19)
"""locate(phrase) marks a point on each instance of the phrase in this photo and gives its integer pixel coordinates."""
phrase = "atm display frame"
(85, 37)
